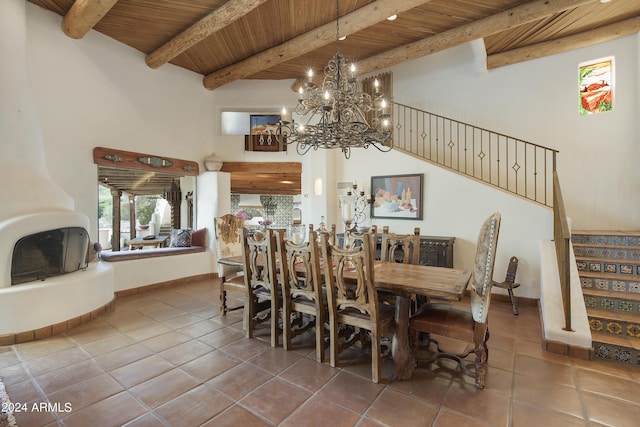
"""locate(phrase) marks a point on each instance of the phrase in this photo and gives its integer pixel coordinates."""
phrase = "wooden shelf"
(267, 143)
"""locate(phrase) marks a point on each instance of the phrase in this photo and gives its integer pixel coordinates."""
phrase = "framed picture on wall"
(596, 86)
(262, 124)
(397, 196)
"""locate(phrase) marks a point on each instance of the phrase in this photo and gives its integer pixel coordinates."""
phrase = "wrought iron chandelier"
(335, 113)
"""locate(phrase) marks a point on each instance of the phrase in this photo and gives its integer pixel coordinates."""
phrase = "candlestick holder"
(353, 208)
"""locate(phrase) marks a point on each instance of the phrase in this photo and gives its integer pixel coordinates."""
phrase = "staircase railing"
(562, 240)
(502, 161)
(525, 169)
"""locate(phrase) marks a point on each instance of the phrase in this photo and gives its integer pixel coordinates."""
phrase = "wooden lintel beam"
(113, 158)
(516, 16)
(357, 20)
(215, 21)
(565, 44)
(262, 167)
(84, 15)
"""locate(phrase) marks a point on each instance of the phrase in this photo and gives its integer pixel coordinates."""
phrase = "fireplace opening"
(48, 254)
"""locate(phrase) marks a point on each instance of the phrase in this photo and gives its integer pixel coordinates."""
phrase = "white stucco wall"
(98, 92)
(538, 101)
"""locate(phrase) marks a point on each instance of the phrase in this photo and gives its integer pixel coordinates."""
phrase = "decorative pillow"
(180, 238)
(199, 237)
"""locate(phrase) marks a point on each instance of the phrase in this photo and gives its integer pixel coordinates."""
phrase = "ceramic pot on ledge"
(213, 163)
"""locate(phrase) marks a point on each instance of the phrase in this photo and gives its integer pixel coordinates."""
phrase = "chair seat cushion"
(443, 319)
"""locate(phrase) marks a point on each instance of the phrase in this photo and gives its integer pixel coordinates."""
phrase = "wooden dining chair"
(353, 239)
(302, 290)
(467, 329)
(263, 294)
(401, 248)
(331, 230)
(228, 244)
(353, 300)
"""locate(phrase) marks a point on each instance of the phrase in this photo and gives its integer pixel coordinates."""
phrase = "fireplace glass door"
(48, 254)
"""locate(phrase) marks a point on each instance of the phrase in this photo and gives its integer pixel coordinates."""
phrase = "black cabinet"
(434, 250)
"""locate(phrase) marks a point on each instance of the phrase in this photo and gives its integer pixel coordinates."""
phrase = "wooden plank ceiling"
(280, 39)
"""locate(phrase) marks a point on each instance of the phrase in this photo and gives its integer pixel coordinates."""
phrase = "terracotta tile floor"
(167, 358)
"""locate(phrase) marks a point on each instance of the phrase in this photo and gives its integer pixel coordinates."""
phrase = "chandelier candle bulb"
(286, 115)
(336, 111)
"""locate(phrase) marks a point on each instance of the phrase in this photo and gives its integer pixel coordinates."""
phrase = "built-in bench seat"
(148, 253)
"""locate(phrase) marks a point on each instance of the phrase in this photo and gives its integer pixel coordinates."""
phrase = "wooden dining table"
(404, 280)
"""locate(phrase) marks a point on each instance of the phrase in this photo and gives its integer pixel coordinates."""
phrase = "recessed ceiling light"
(392, 18)
(604, 1)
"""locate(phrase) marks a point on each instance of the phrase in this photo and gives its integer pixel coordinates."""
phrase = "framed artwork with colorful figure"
(596, 86)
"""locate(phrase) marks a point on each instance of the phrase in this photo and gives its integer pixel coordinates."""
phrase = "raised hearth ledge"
(175, 282)
(47, 331)
(35, 306)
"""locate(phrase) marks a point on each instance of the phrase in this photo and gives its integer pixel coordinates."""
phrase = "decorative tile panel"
(618, 286)
(614, 328)
(595, 267)
(626, 306)
(608, 304)
(590, 301)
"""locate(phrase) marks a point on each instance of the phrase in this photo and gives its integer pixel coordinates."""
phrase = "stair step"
(623, 325)
(627, 267)
(635, 261)
(612, 305)
(614, 252)
(625, 238)
(617, 340)
(620, 283)
(614, 316)
(597, 246)
(615, 349)
(605, 293)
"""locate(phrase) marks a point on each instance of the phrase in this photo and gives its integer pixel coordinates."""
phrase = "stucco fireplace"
(57, 286)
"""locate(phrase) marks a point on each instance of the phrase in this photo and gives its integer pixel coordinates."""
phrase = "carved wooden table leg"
(403, 359)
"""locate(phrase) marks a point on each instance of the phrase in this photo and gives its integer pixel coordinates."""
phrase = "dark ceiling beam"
(84, 15)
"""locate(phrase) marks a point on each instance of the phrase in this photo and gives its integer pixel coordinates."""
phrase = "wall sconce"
(317, 187)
